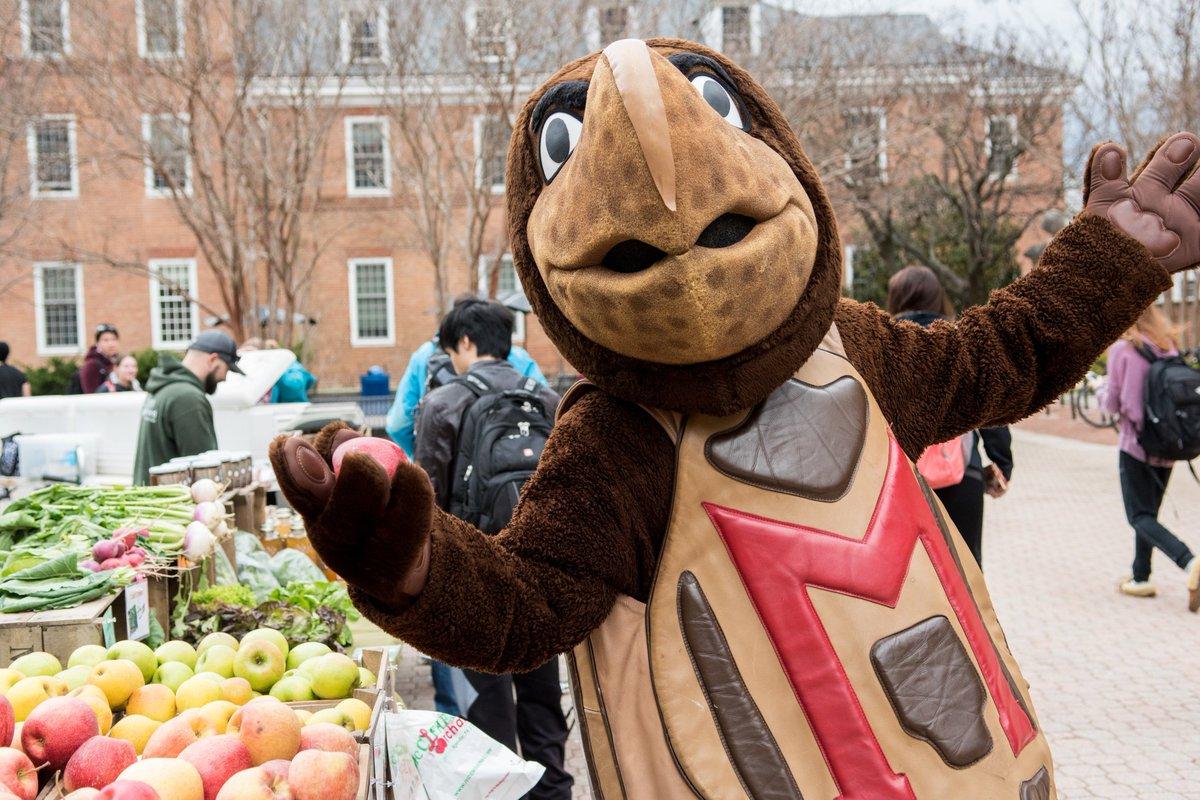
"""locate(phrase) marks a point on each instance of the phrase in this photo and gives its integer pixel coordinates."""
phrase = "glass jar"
(207, 467)
(166, 474)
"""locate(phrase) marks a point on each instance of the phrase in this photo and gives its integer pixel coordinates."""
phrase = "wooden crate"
(374, 659)
(59, 632)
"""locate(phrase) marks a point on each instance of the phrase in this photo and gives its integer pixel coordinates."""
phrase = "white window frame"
(31, 145)
(151, 190)
(849, 253)
(882, 150)
(592, 27)
(27, 31)
(39, 310)
(352, 285)
(143, 41)
(483, 290)
(155, 265)
(472, 14)
(346, 41)
(987, 143)
(351, 189)
(480, 120)
(713, 26)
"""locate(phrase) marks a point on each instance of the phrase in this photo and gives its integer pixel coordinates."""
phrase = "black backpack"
(1171, 403)
(75, 385)
(500, 441)
(438, 372)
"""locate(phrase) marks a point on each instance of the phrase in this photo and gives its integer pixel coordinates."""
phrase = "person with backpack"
(954, 469)
(1156, 398)
(479, 438)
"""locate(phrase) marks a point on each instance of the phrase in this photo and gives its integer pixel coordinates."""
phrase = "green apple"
(365, 677)
(333, 675)
(269, 634)
(215, 677)
(172, 674)
(33, 665)
(87, 656)
(260, 662)
(76, 676)
(294, 688)
(181, 652)
(138, 653)
(218, 659)
(215, 639)
(303, 652)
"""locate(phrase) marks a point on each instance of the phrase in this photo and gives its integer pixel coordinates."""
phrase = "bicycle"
(1086, 400)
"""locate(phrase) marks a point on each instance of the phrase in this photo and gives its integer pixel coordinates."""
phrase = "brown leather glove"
(1160, 206)
(371, 531)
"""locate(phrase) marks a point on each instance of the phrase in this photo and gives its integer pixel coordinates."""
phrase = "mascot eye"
(560, 135)
(717, 96)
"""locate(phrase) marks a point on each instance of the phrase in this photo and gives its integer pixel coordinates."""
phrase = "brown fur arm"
(588, 527)
(1005, 360)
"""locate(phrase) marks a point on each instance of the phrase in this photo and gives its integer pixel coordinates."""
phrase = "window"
(364, 36)
(735, 29)
(52, 160)
(58, 308)
(372, 304)
(489, 32)
(866, 145)
(160, 28)
(46, 27)
(1002, 147)
(368, 158)
(491, 151)
(614, 24)
(506, 284)
(173, 311)
(168, 165)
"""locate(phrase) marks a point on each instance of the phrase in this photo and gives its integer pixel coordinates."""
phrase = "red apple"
(276, 769)
(56, 729)
(98, 762)
(17, 774)
(7, 720)
(386, 452)
(128, 790)
(317, 775)
(217, 758)
(328, 737)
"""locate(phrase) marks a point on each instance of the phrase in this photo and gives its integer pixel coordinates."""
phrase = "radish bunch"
(119, 551)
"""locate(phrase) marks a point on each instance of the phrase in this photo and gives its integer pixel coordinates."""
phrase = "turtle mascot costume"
(761, 597)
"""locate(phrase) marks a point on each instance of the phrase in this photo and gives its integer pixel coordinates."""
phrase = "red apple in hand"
(17, 774)
(385, 452)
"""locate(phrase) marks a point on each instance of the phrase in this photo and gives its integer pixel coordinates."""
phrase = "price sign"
(137, 610)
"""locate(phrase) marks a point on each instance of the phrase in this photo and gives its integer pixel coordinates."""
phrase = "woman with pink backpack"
(954, 469)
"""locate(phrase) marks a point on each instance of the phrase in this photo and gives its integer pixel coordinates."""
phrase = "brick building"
(100, 237)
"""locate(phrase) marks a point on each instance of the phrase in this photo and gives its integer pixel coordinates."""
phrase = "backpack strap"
(529, 385)
(670, 421)
(1145, 352)
(478, 386)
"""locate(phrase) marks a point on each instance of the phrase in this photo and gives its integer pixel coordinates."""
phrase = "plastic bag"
(439, 757)
(292, 566)
(254, 572)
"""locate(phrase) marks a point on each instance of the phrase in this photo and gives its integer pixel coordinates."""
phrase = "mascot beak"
(633, 74)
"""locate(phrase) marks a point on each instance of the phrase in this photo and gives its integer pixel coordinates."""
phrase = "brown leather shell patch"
(1037, 787)
(935, 689)
(802, 440)
(752, 748)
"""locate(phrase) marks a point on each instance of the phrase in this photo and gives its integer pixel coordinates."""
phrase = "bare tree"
(973, 160)
(231, 116)
(1141, 81)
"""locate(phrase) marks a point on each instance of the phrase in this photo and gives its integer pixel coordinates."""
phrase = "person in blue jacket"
(412, 388)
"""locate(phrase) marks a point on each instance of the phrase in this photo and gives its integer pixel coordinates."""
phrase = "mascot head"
(669, 230)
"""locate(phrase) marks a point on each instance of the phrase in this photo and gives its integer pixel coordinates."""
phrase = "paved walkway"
(1116, 681)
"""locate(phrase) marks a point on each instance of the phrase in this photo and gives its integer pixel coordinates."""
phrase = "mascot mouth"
(634, 255)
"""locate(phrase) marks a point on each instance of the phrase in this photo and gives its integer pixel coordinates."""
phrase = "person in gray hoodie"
(177, 419)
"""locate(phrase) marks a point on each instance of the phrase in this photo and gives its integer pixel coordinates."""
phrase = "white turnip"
(211, 514)
(198, 542)
(205, 490)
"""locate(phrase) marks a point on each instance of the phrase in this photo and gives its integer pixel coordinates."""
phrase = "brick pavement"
(1116, 681)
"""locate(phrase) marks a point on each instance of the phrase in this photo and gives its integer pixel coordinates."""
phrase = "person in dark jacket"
(915, 294)
(13, 382)
(100, 359)
(177, 419)
(477, 335)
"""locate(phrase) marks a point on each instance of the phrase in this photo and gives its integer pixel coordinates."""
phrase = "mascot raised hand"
(760, 596)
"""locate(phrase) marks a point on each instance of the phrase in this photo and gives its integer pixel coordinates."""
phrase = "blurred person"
(414, 383)
(915, 294)
(13, 382)
(98, 362)
(123, 378)
(293, 385)
(1144, 477)
(177, 418)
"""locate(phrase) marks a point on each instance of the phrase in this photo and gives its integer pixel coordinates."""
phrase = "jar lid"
(206, 463)
(164, 469)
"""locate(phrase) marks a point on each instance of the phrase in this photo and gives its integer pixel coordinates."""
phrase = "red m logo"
(778, 561)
